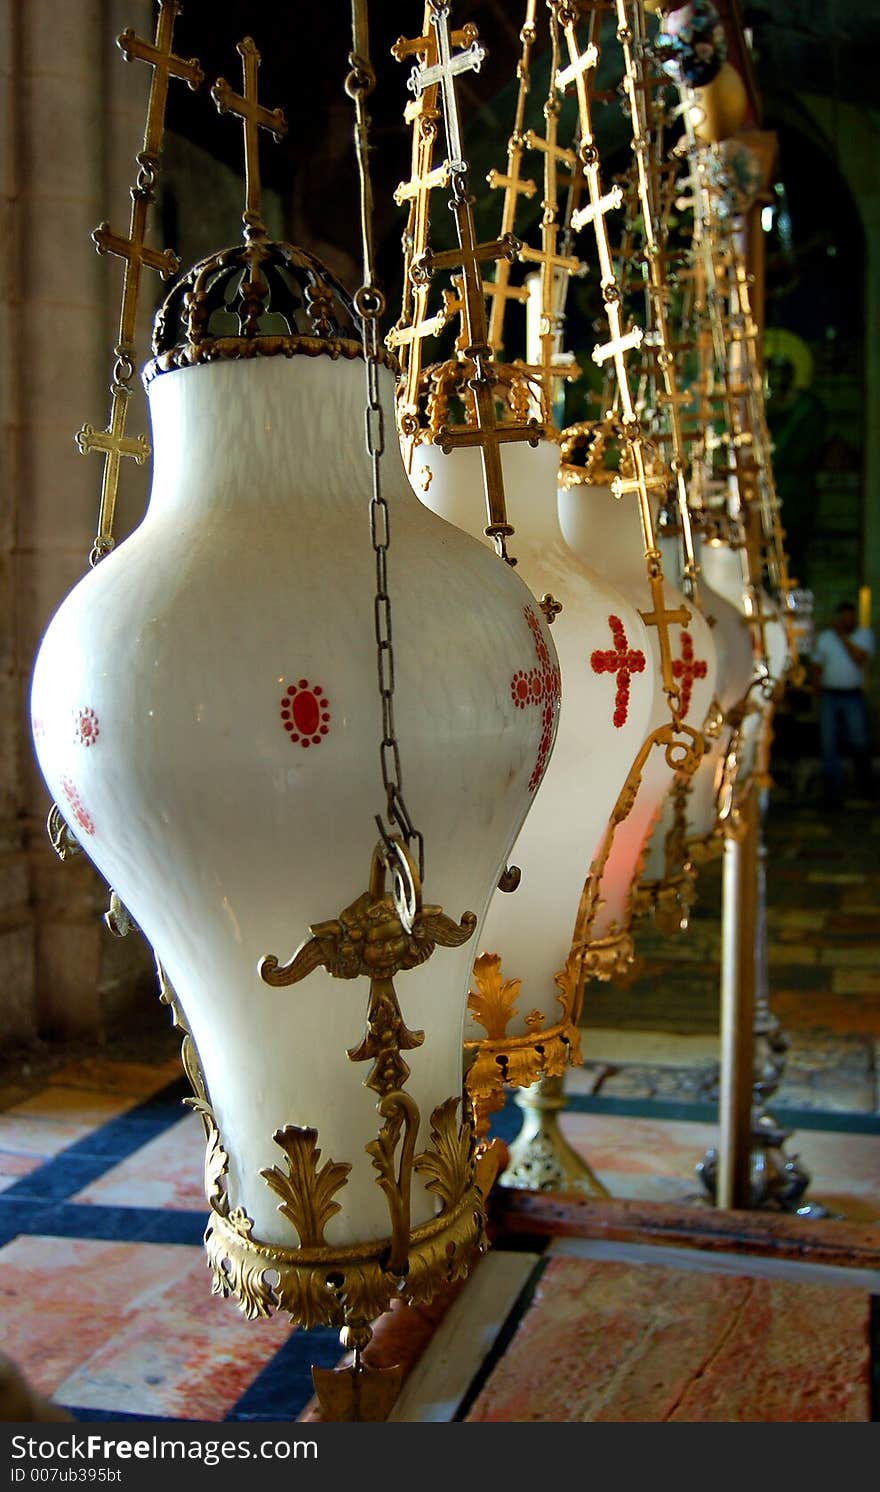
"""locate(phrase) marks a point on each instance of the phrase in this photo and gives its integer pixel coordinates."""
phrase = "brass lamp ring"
(335, 1285)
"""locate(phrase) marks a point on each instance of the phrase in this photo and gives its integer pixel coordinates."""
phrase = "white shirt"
(839, 671)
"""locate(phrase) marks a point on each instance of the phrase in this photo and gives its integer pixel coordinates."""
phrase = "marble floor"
(107, 1304)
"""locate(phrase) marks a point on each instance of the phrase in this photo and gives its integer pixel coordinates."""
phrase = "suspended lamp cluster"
(529, 644)
(235, 720)
(677, 416)
(525, 1002)
(539, 946)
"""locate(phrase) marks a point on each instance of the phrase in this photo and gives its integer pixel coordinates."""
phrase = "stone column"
(59, 374)
(73, 125)
(16, 917)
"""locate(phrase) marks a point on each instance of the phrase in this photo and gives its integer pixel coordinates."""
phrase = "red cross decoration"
(621, 660)
(541, 688)
(687, 668)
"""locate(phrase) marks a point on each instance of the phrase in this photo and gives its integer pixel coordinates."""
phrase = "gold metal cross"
(522, 185)
(429, 326)
(422, 115)
(486, 432)
(554, 266)
(661, 617)
(135, 251)
(558, 154)
(500, 290)
(548, 257)
(113, 442)
(514, 186)
(616, 348)
(621, 485)
(160, 57)
(438, 177)
(254, 117)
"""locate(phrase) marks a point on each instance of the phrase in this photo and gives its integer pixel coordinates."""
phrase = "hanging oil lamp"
(208, 708)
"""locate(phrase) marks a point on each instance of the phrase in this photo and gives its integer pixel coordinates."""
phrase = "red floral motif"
(540, 688)
(83, 818)
(87, 730)
(38, 727)
(687, 668)
(305, 713)
(621, 660)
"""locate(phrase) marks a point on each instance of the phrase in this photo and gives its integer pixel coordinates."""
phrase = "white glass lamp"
(207, 716)
(527, 985)
(723, 567)
(701, 804)
(603, 529)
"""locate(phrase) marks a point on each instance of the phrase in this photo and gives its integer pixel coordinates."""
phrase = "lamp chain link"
(369, 303)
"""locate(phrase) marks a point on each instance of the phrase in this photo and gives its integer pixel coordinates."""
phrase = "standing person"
(839, 657)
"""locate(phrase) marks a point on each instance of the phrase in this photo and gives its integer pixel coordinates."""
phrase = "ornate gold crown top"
(258, 299)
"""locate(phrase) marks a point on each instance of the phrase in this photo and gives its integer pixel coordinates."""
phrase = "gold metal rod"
(621, 342)
(513, 184)
(737, 1010)
(644, 127)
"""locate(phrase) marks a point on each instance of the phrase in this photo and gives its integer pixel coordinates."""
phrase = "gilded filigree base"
(541, 1158)
(340, 1285)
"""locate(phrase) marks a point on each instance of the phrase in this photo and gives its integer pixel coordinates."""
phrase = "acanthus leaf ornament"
(306, 1193)
(448, 1167)
(493, 1003)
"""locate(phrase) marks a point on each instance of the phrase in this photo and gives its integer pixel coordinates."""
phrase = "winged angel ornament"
(370, 938)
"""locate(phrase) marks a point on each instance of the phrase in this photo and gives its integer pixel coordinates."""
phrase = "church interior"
(440, 545)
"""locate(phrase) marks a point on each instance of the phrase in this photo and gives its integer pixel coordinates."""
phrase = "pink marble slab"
(645, 1343)
(650, 1147)
(796, 1353)
(13, 1165)
(65, 1297)
(653, 1160)
(180, 1352)
(39, 1137)
(166, 1172)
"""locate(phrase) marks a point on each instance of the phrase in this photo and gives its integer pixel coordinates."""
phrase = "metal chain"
(369, 303)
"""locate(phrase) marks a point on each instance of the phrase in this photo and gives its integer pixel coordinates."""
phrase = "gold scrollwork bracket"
(118, 918)
(380, 934)
(612, 955)
(64, 841)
